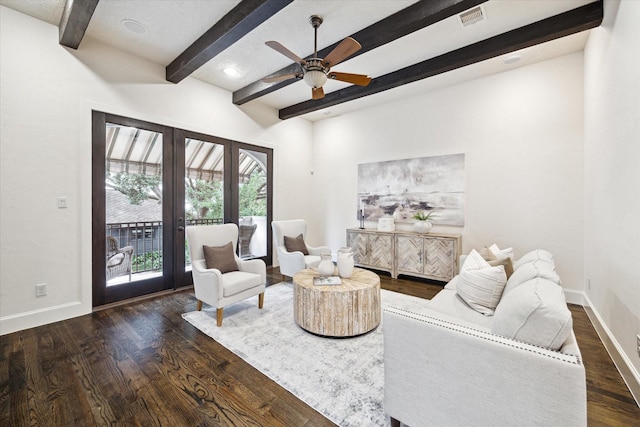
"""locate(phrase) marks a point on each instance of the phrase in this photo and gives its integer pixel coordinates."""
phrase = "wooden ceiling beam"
(417, 16)
(564, 24)
(74, 21)
(241, 20)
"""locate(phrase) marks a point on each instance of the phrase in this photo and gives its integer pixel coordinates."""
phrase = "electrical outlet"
(62, 203)
(41, 289)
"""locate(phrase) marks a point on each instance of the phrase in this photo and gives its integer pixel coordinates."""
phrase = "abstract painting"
(400, 188)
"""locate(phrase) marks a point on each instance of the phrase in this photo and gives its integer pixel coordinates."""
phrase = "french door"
(150, 182)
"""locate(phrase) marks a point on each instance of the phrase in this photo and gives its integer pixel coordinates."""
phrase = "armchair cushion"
(296, 244)
(220, 257)
(239, 281)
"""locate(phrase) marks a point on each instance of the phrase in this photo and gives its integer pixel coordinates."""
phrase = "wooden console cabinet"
(432, 256)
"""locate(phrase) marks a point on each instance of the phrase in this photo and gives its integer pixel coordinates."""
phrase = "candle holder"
(361, 218)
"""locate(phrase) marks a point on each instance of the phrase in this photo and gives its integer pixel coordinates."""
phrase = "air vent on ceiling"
(472, 16)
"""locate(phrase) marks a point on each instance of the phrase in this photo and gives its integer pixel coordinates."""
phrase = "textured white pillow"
(501, 253)
(530, 271)
(481, 289)
(535, 255)
(474, 261)
(536, 313)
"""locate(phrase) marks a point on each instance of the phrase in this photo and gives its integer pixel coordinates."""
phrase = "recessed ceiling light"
(512, 59)
(231, 71)
(134, 26)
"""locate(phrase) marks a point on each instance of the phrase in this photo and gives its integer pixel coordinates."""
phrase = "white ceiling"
(173, 25)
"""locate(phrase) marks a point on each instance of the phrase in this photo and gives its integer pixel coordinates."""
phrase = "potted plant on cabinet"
(423, 223)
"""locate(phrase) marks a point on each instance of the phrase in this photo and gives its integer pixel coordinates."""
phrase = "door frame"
(173, 164)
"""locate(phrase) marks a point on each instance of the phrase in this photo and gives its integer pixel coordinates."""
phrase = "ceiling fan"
(315, 71)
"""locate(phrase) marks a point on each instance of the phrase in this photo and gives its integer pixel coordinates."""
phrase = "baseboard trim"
(574, 297)
(628, 372)
(35, 318)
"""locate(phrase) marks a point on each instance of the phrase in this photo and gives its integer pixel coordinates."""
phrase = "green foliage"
(146, 262)
(422, 216)
(204, 199)
(137, 187)
(252, 195)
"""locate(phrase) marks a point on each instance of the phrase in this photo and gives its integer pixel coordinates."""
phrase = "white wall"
(612, 174)
(47, 94)
(522, 135)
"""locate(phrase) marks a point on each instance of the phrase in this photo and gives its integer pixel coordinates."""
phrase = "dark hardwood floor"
(140, 364)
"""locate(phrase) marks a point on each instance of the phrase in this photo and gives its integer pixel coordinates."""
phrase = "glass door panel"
(203, 185)
(252, 204)
(133, 204)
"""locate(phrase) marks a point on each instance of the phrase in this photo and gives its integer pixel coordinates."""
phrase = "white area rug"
(342, 378)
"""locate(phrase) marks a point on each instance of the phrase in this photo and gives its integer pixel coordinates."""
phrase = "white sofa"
(451, 365)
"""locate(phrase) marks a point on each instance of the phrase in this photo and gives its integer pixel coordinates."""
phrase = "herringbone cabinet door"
(380, 253)
(358, 242)
(409, 254)
(440, 254)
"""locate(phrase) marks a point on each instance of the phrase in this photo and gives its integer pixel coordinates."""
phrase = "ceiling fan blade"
(356, 79)
(317, 93)
(286, 52)
(345, 49)
(274, 79)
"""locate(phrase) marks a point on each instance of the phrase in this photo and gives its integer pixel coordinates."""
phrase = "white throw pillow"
(530, 271)
(536, 313)
(481, 289)
(535, 255)
(501, 253)
(474, 261)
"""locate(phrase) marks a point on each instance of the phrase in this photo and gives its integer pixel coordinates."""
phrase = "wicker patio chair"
(118, 259)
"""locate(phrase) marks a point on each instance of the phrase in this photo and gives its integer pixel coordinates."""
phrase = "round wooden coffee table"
(345, 310)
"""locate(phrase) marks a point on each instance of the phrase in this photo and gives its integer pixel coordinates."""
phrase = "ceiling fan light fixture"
(315, 78)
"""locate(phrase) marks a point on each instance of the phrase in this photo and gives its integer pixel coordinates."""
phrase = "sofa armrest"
(439, 371)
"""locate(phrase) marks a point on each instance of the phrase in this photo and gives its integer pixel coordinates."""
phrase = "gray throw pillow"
(220, 257)
(295, 244)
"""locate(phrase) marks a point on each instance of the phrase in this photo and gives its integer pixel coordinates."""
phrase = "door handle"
(181, 221)
(180, 228)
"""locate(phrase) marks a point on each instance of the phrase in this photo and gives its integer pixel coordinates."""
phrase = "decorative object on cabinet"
(423, 225)
(386, 224)
(398, 189)
(431, 256)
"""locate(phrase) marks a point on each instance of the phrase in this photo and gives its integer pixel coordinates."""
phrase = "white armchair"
(222, 289)
(292, 262)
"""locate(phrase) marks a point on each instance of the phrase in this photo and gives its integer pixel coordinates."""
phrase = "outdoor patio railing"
(146, 240)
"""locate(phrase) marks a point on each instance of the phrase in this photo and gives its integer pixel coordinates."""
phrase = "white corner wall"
(612, 176)
(522, 135)
(47, 93)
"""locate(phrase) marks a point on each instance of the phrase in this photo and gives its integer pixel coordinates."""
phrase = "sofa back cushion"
(535, 255)
(530, 271)
(481, 289)
(535, 312)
